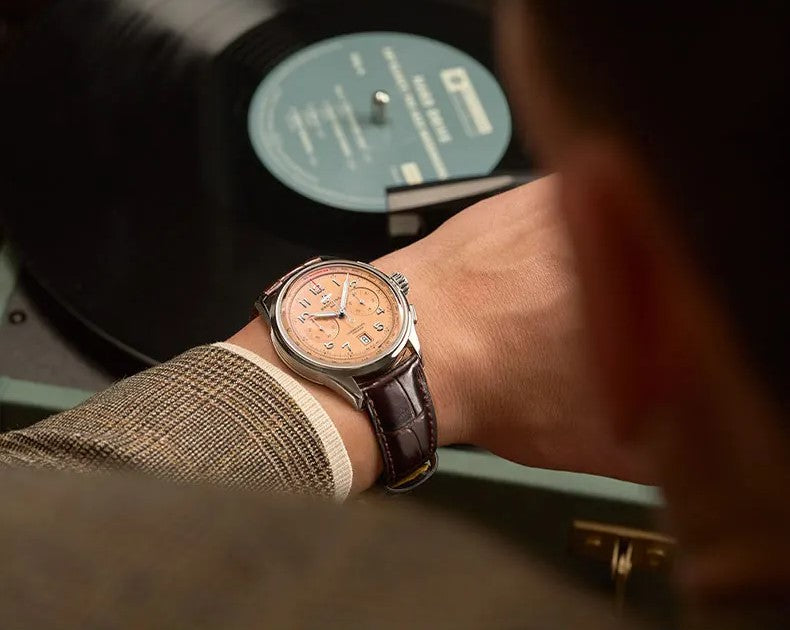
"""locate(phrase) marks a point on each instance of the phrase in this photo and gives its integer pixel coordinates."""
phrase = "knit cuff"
(335, 450)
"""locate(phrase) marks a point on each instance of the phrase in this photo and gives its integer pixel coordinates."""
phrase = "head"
(668, 125)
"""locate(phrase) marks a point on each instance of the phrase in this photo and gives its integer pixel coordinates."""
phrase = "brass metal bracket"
(624, 549)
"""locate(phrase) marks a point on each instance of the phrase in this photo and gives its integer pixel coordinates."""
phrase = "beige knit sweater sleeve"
(215, 413)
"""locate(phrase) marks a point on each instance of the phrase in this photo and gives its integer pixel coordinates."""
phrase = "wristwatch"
(348, 326)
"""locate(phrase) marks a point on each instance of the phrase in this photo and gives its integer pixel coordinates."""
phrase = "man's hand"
(502, 336)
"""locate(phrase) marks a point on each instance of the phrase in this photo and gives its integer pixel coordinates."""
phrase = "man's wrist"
(451, 360)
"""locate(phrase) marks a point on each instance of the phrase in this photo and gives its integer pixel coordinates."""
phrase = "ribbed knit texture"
(207, 415)
(331, 441)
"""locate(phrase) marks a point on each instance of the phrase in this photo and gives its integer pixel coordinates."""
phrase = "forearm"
(207, 415)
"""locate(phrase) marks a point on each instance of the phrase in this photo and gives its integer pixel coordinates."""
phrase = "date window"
(365, 339)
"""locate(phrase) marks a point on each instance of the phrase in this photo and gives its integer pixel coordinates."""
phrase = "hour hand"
(322, 315)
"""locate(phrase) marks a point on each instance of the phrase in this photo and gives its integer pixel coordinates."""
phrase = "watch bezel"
(316, 370)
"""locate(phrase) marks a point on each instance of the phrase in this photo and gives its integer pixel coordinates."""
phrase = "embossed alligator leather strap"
(404, 419)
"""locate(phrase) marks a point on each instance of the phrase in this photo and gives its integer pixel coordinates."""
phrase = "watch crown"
(401, 281)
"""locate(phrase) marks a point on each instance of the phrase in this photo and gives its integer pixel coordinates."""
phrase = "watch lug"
(268, 306)
(414, 340)
(348, 388)
(264, 307)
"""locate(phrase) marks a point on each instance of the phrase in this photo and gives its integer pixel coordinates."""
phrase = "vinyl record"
(163, 160)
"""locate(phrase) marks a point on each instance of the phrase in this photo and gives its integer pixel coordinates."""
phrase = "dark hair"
(701, 90)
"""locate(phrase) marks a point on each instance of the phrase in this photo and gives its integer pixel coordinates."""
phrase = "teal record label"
(313, 123)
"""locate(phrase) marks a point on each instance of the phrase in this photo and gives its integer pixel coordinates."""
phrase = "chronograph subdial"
(362, 302)
(319, 331)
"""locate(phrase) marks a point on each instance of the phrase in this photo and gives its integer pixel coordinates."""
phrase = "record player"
(161, 158)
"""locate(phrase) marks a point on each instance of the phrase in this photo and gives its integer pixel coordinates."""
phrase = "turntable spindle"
(380, 101)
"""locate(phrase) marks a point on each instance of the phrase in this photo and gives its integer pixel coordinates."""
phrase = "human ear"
(624, 262)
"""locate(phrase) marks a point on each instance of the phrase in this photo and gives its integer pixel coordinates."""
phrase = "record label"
(343, 119)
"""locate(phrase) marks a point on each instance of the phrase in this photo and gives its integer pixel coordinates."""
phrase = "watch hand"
(344, 296)
(321, 315)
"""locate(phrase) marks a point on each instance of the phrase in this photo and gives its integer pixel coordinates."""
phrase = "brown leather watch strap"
(404, 419)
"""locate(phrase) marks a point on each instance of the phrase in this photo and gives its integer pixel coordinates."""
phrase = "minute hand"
(344, 296)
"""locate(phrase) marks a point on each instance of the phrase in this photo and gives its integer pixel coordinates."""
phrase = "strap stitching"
(381, 435)
(427, 408)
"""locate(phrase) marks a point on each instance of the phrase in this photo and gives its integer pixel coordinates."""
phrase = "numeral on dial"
(329, 345)
(336, 282)
(304, 302)
(303, 317)
(347, 346)
(378, 326)
(379, 311)
(316, 290)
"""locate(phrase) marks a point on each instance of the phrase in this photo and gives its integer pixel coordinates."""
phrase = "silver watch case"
(339, 379)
